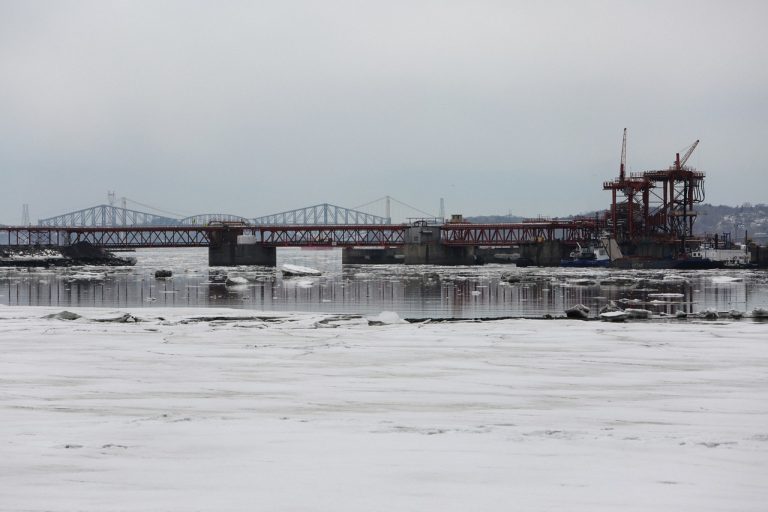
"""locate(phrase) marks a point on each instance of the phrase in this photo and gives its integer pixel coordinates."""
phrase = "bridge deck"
(377, 235)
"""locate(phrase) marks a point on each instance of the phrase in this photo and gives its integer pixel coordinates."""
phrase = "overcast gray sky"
(256, 107)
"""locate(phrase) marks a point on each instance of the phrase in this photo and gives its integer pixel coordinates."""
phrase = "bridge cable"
(175, 214)
(428, 214)
(369, 203)
(414, 208)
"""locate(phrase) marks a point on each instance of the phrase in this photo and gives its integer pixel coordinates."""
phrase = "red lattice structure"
(566, 231)
(376, 235)
(655, 204)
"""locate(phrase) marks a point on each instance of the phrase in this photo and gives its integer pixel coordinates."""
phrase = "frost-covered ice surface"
(214, 409)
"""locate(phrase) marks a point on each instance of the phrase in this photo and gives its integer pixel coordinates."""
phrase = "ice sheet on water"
(85, 276)
(438, 416)
(727, 279)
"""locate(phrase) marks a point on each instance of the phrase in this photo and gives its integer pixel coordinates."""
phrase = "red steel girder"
(568, 231)
(109, 237)
(526, 232)
(377, 235)
(202, 236)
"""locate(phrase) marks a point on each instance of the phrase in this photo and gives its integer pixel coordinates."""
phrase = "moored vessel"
(593, 255)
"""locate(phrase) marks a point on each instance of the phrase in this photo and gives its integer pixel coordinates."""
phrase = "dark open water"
(413, 292)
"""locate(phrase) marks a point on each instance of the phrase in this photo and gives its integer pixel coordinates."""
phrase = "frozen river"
(411, 291)
(293, 394)
(216, 409)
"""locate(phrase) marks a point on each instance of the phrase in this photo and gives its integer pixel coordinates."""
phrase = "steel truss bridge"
(326, 214)
(204, 236)
(105, 215)
(353, 235)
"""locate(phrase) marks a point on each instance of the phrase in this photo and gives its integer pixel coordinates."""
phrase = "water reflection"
(414, 292)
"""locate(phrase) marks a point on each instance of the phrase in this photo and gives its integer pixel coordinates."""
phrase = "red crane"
(680, 162)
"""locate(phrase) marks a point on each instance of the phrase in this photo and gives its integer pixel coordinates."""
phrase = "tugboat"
(723, 258)
(593, 255)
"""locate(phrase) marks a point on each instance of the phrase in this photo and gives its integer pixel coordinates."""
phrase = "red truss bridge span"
(375, 235)
(566, 231)
(204, 236)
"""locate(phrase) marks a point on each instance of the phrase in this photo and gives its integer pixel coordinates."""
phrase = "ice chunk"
(64, 315)
(614, 316)
(579, 311)
(637, 313)
(386, 318)
(297, 270)
(726, 279)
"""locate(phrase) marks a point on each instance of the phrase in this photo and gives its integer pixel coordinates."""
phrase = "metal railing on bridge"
(204, 219)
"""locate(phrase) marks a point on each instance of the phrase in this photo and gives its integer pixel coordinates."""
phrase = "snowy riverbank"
(213, 409)
(81, 253)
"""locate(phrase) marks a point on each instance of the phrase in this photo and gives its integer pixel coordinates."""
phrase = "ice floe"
(204, 409)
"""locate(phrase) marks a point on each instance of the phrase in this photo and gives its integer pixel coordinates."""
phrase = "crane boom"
(688, 154)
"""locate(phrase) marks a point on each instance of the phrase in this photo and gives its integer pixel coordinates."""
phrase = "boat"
(704, 257)
(727, 258)
(593, 255)
(289, 270)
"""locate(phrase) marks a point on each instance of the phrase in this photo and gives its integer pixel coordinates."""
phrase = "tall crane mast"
(623, 156)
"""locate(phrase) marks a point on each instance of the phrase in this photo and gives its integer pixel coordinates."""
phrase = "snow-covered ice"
(298, 270)
(727, 279)
(214, 409)
(236, 281)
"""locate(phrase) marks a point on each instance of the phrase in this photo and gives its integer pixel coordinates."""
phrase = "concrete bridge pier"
(231, 248)
(544, 254)
(371, 256)
(759, 255)
(423, 247)
(541, 254)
